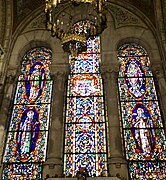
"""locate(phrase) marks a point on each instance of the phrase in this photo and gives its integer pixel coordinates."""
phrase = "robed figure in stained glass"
(144, 136)
(28, 133)
(135, 81)
(35, 82)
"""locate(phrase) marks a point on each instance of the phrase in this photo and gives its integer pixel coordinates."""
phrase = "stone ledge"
(89, 178)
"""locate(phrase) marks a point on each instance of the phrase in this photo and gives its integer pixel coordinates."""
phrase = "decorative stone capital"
(109, 68)
(117, 160)
(157, 69)
(60, 71)
(53, 160)
(109, 71)
(11, 76)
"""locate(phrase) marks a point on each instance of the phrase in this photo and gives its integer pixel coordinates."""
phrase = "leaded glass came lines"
(27, 136)
(142, 127)
(85, 127)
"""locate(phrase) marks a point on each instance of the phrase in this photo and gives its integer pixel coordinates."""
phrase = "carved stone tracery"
(123, 17)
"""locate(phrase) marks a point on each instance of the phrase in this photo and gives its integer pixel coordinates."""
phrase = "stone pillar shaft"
(158, 72)
(117, 164)
(6, 103)
(54, 165)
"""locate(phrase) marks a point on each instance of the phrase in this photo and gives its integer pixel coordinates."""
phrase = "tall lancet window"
(142, 125)
(85, 126)
(27, 135)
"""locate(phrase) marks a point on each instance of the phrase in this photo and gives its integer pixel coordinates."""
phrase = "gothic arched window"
(85, 126)
(142, 126)
(27, 135)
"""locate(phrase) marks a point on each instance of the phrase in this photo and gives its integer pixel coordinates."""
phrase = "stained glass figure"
(28, 129)
(142, 125)
(85, 127)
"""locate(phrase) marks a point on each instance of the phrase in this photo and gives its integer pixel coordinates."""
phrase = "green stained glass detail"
(142, 126)
(27, 136)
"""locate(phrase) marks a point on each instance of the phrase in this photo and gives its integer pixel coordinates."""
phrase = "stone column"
(7, 95)
(1, 73)
(54, 165)
(160, 83)
(116, 161)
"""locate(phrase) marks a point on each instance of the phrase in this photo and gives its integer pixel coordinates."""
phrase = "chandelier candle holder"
(74, 21)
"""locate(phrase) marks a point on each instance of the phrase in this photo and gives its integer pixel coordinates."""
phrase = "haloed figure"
(143, 135)
(35, 82)
(135, 80)
(28, 134)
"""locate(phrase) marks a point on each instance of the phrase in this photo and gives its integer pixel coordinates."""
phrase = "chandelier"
(74, 21)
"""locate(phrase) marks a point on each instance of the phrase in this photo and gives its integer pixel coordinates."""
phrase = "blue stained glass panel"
(95, 164)
(26, 146)
(39, 53)
(134, 67)
(35, 65)
(131, 50)
(28, 129)
(85, 126)
(22, 171)
(144, 144)
(85, 138)
(30, 116)
(150, 112)
(79, 106)
(142, 127)
(148, 170)
(93, 45)
(144, 90)
(85, 63)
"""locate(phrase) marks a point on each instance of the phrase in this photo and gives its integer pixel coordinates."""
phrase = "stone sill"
(89, 178)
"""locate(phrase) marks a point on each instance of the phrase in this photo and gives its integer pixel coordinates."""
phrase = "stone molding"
(89, 178)
(117, 160)
(109, 71)
(157, 69)
(109, 68)
(11, 76)
(37, 23)
(59, 71)
(123, 17)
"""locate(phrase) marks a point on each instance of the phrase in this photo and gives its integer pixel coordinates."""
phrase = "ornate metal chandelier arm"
(74, 21)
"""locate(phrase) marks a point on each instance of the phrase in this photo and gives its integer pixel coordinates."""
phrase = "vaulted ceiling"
(22, 8)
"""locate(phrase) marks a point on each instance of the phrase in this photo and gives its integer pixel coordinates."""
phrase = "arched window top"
(134, 61)
(131, 49)
(142, 125)
(38, 53)
(36, 59)
(29, 123)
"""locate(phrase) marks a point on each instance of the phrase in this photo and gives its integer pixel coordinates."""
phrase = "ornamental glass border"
(27, 136)
(142, 126)
(85, 129)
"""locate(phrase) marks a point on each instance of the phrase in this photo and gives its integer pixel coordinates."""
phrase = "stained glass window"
(27, 135)
(143, 131)
(85, 126)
